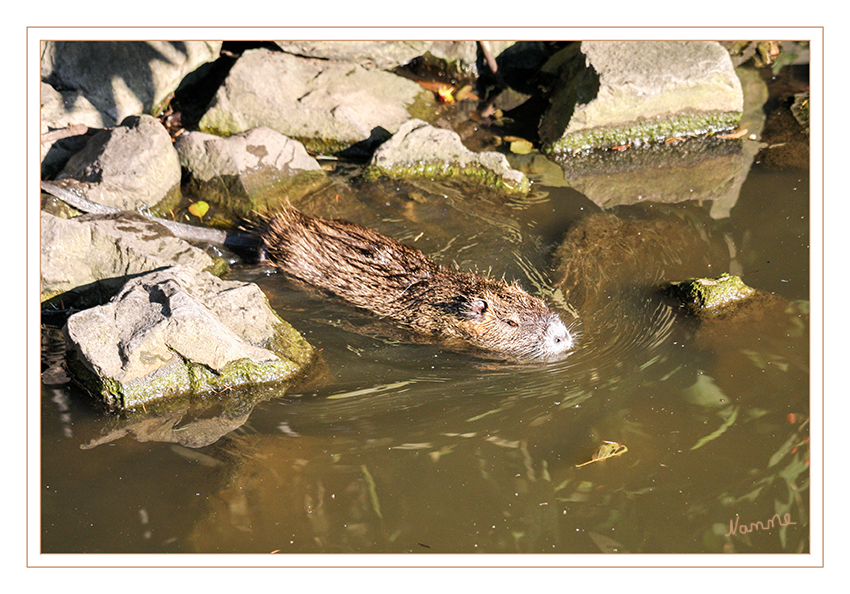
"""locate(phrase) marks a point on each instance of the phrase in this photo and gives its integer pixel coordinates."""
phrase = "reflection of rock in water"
(694, 170)
(603, 254)
(194, 422)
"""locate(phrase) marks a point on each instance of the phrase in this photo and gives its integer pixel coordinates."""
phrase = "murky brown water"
(395, 446)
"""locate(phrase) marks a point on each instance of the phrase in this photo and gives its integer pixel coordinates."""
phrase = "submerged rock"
(134, 165)
(419, 150)
(176, 331)
(603, 254)
(242, 172)
(611, 93)
(327, 105)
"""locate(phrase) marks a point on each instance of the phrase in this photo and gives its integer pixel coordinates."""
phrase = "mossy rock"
(707, 297)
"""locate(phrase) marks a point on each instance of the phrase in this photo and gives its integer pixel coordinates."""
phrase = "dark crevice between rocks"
(196, 92)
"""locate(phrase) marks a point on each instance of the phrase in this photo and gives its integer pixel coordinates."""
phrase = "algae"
(443, 171)
(646, 131)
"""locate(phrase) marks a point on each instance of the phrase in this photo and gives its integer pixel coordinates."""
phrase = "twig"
(181, 230)
(72, 130)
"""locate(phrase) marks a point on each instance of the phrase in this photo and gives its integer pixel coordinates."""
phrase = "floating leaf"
(608, 449)
(199, 208)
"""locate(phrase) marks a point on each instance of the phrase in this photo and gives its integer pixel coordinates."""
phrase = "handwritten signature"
(776, 519)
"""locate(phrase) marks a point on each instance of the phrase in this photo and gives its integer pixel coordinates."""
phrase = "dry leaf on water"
(608, 449)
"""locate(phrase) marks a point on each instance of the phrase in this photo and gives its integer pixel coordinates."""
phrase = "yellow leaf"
(521, 147)
(445, 95)
(608, 449)
(199, 209)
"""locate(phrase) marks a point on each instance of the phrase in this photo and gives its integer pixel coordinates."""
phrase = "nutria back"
(396, 281)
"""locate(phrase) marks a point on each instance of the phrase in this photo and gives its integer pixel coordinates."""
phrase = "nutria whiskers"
(396, 281)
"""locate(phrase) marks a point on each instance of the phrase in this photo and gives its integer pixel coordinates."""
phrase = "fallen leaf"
(521, 147)
(608, 449)
(443, 90)
(199, 208)
(465, 92)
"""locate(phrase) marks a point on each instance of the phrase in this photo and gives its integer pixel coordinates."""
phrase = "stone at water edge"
(611, 93)
(174, 332)
(705, 297)
(249, 171)
(96, 254)
(419, 150)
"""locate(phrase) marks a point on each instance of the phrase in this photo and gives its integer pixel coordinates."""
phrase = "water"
(398, 446)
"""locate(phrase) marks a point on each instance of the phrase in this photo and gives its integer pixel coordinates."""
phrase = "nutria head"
(504, 318)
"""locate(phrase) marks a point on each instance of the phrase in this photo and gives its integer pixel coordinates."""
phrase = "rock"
(134, 165)
(421, 150)
(97, 254)
(611, 93)
(711, 169)
(122, 78)
(176, 331)
(244, 170)
(458, 56)
(383, 55)
(326, 105)
(706, 297)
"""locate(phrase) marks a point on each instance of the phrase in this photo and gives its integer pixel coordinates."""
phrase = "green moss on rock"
(707, 297)
(646, 131)
(443, 171)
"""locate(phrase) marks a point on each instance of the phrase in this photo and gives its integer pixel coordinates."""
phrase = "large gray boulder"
(176, 331)
(611, 93)
(327, 105)
(134, 165)
(121, 78)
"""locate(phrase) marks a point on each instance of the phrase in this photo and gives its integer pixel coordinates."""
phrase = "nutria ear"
(477, 307)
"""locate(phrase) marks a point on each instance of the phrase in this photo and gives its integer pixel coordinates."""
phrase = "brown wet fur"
(396, 281)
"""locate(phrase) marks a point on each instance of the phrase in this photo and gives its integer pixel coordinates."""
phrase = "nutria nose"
(558, 336)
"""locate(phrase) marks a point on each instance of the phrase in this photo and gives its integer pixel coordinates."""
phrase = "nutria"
(393, 280)
(396, 281)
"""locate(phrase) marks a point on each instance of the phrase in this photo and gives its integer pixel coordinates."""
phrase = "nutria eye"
(511, 323)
